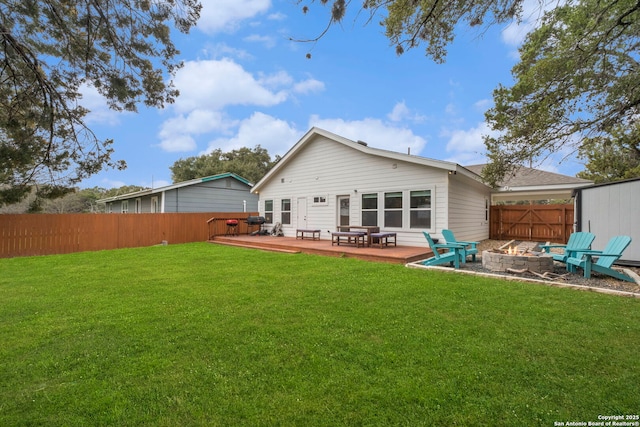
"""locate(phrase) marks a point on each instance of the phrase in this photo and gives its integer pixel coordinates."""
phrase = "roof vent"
(362, 143)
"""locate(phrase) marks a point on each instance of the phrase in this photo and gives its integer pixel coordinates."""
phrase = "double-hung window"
(420, 209)
(268, 211)
(285, 212)
(393, 209)
(370, 209)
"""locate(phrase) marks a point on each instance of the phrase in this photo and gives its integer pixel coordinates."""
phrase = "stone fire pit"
(496, 260)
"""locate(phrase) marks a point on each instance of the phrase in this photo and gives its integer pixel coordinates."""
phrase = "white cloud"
(401, 112)
(220, 50)
(178, 143)
(467, 146)
(374, 132)
(226, 15)
(276, 135)
(268, 41)
(215, 84)
(532, 13)
(277, 16)
(176, 133)
(110, 183)
(208, 87)
(308, 86)
(483, 105)
(100, 113)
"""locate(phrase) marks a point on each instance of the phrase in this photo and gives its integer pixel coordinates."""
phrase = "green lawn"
(202, 334)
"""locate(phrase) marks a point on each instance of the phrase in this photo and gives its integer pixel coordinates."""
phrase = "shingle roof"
(524, 177)
(176, 185)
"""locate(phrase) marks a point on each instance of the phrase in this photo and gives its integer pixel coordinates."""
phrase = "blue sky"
(245, 83)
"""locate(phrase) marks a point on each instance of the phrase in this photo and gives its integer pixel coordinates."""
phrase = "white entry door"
(302, 213)
(344, 214)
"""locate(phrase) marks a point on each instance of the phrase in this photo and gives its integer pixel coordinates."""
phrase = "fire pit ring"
(500, 261)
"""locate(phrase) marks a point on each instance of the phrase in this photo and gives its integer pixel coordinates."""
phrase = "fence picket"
(47, 234)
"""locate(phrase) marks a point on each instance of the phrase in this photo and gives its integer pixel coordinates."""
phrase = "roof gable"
(177, 185)
(314, 133)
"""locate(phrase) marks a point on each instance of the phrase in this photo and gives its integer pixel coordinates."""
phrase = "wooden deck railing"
(217, 226)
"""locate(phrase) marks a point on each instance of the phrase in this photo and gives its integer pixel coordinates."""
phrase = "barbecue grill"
(232, 227)
(252, 221)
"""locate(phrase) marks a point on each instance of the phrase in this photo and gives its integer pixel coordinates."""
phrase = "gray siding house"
(225, 192)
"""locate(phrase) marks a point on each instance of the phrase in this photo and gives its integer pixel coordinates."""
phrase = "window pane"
(370, 218)
(369, 201)
(286, 204)
(420, 219)
(286, 217)
(393, 219)
(268, 205)
(268, 217)
(393, 200)
(420, 199)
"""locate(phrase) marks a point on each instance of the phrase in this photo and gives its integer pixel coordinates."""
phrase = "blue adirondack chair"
(605, 259)
(470, 248)
(453, 256)
(578, 242)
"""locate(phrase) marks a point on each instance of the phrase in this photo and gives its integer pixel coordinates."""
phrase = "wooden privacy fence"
(45, 234)
(537, 223)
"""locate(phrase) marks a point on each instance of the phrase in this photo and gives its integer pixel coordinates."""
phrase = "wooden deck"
(395, 255)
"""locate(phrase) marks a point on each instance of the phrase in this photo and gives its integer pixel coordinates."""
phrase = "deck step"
(263, 248)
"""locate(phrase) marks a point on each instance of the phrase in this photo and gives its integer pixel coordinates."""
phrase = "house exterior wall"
(220, 195)
(325, 170)
(611, 210)
(223, 195)
(469, 206)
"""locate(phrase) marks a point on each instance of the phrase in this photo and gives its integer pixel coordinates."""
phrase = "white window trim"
(323, 200)
(430, 209)
(273, 207)
(406, 208)
(290, 211)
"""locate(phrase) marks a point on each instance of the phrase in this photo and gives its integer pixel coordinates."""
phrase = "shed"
(226, 192)
(608, 210)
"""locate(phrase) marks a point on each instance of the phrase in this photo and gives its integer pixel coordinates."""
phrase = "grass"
(201, 334)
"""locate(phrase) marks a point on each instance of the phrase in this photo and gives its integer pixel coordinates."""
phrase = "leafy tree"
(410, 23)
(578, 78)
(74, 201)
(125, 189)
(612, 158)
(576, 85)
(48, 50)
(249, 164)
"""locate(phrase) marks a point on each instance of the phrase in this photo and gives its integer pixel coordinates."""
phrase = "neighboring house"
(609, 210)
(325, 181)
(225, 192)
(534, 184)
